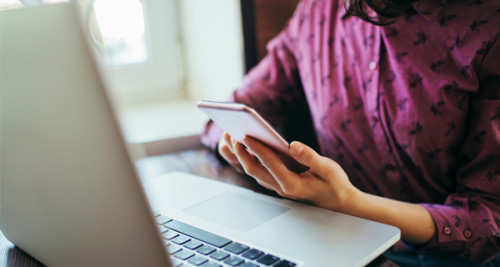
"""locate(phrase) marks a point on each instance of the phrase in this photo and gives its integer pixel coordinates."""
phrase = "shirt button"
(447, 230)
(467, 234)
(373, 65)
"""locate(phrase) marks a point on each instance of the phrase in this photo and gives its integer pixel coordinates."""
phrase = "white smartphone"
(240, 120)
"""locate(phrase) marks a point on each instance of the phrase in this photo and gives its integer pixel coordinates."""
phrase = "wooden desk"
(199, 162)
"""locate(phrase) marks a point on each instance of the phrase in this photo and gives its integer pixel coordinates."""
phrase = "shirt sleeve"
(468, 222)
(273, 87)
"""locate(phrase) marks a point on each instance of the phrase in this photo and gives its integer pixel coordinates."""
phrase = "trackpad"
(236, 211)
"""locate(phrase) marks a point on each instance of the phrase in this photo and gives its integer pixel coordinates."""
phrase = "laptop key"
(252, 254)
(162, 219)
(162, 229)
(184, 254)
(211, 264)
(193, 244)
(249, 264)
(205, 250)
(169, 234)
(219, 255)
(285, 263)
(176, 262)
(268, 259)
(236, 248)
(173, 248)
(197, 260)
(198, 233)
(233, 261)
(181, 239)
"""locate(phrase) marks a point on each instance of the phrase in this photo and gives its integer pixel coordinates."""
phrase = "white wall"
(212, 46)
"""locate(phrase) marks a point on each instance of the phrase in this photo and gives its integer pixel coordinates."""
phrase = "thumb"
(307, 156)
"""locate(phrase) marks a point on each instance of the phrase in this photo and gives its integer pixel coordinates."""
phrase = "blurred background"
(161, 56)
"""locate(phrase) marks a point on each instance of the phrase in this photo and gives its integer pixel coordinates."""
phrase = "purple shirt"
(411, 110)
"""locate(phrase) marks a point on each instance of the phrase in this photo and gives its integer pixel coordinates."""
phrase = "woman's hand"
(325, 184)
(225, 149)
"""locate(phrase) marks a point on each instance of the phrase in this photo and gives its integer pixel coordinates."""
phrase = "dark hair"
(387, 10)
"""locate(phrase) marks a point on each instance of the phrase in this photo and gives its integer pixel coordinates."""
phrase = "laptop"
(70, 194)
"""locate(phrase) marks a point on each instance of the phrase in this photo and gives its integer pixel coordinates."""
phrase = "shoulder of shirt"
(473, 9)
(309, 13)
(467, 14)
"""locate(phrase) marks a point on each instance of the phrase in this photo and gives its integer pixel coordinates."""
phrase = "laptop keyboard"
(192, 246)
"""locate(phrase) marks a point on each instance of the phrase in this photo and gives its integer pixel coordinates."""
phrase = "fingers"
(325, 184)
(289, 182)
(261, 163)
(249, 162)
(226, 151)
(227, 154)
(307, 156)
(254, 168)
(267, 157)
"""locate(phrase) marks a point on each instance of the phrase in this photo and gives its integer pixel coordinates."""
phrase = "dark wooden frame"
(249, 35)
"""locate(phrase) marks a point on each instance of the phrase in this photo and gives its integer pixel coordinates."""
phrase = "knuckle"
(265, 164)
(250, 170)
(290, 190)
(312, 157)
(235, 163)
(224, 150)
(263, 184)
(238, 151)
(281, 193)
(266, 160)
(227, 155)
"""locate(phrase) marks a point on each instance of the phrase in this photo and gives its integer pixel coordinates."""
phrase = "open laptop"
(71, 196)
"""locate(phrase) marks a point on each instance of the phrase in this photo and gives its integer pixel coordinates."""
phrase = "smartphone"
(240, 120)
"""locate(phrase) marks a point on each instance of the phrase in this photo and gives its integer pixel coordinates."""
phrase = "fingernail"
(233, 141)
(296, 148)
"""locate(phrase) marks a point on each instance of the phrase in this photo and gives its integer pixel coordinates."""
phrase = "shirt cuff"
(456, 236)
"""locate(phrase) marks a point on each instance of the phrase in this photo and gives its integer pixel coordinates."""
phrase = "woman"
(406, 115)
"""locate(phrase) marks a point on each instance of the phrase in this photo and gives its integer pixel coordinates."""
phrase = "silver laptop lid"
(69, 194)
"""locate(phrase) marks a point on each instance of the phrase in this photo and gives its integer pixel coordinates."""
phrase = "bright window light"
(8, 4)
(122, 31)
(54, 1)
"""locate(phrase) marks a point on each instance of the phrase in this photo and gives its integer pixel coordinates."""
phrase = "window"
(159, 51)
(120, 31)
(160, 56)
(139, 47)
(9, 4)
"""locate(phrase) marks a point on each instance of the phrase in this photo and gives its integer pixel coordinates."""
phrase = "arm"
(414, 221)
(327, 185)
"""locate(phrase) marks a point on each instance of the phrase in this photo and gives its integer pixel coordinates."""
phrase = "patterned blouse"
(411, 110)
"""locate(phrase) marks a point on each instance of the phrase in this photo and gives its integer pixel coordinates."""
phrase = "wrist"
(348, 202)
(354, 201)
